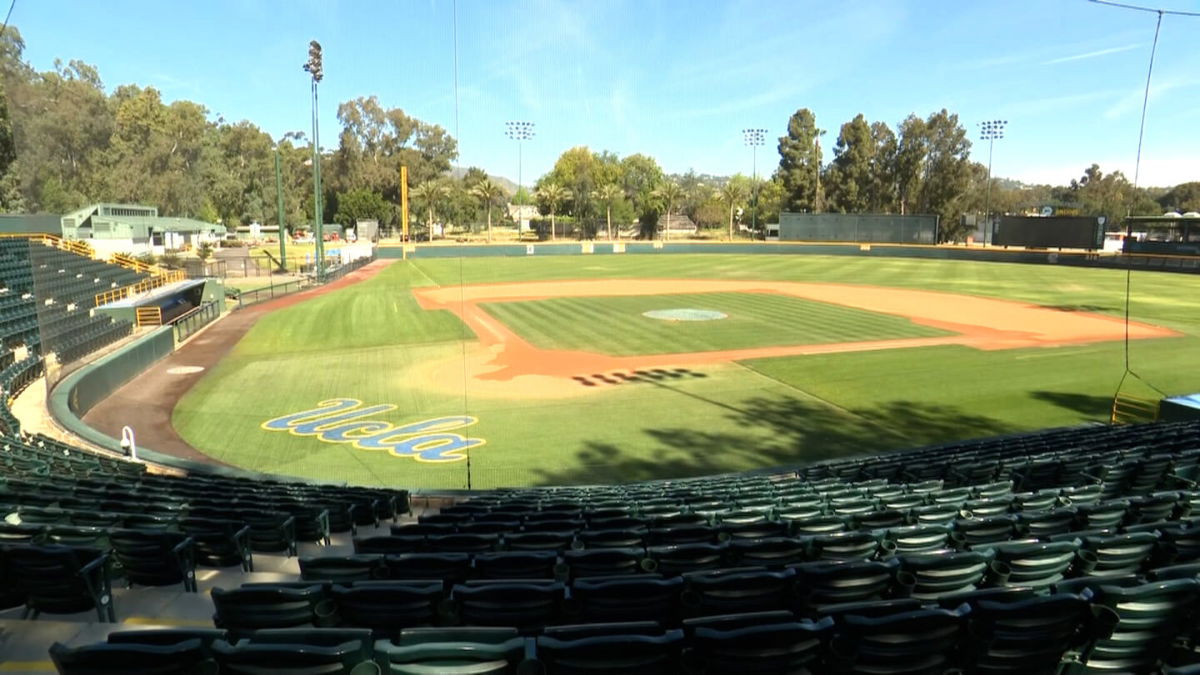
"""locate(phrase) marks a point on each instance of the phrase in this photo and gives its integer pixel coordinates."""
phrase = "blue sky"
(674, 79)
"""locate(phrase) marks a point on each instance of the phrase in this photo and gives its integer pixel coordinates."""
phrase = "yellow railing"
(131, 263)
(115, 294)
(70, 245)
(1132, 409)
(149, 316)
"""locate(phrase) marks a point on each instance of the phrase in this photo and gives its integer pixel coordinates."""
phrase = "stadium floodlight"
(519, 131)
(315, 67)
(754, 138)
(990, 131)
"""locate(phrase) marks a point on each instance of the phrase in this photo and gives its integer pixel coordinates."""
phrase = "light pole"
(990, 131)
(754, 138)
(520, 132)
(314, 67)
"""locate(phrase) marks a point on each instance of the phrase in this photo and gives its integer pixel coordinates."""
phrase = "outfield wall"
(1163, 263)
(78, 392)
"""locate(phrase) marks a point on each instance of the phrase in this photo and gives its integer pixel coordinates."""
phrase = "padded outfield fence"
(1161, 263)
(859, 227)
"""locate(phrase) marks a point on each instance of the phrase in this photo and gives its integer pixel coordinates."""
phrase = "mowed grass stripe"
(616, 325)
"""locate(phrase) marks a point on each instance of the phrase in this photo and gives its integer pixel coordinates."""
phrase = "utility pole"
(279, 203)
(314, 67)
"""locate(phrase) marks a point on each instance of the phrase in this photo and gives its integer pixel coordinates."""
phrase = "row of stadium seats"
(1096, 628)
(46, 297)
(1104, 515)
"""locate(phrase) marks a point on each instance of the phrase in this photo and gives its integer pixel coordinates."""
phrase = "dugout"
(1179, 408)
(1049, 232)
(166, 304)
(883, 228)
(1163, 235)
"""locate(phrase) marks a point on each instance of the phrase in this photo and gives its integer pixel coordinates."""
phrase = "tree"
(360, 204)
(948, 166)
(909, 162)
(859, 179)
(487, 192)
(553, 195)
(932, 167)
(670, 193)
(429, 194)
(709, 214)
(1182, 198)
(732, 193)
(882, 195)
(608, 194)
(800, 163)
(1109, 195)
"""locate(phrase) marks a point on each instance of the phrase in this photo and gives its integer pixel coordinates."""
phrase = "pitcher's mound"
(685, 314)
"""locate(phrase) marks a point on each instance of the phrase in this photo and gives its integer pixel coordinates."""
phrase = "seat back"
(782, 647)
(479, 651)
(613, 653)
(252, 608)
(188, 657)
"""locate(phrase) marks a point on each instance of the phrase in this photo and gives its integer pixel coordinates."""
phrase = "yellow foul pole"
(404, 201)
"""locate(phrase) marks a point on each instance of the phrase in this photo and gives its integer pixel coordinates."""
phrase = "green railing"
(248, 298)
(187, 324)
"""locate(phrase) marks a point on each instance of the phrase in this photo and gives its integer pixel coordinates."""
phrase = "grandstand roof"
(122, 221)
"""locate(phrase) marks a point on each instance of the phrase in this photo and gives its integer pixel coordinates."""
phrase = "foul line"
(820, 399)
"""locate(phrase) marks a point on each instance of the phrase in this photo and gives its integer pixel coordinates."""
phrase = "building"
(1169, 234)
(132, 228)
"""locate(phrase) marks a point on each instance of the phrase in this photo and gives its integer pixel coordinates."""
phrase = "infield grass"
(368, 341)
(751, 320)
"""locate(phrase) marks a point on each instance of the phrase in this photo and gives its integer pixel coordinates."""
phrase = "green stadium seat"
(61, 580)
(452, 651)
(624, 598)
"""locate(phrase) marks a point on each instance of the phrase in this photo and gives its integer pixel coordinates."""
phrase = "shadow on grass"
(1082, 308)
(1092, 407)
(800, 431)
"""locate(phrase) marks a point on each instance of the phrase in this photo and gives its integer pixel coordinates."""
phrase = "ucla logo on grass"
(340, 420)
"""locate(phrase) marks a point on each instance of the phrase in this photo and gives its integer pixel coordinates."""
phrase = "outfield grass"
(752, 320)
(367, 341)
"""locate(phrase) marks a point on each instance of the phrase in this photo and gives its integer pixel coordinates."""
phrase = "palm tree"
(731, 193)
(554, 195)
(487, 191)
(608, 194)
(669, 192)
(428, 193)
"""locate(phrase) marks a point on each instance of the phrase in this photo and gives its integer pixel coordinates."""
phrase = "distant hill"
(505, 184)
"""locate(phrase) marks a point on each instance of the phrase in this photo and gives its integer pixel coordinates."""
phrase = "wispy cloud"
(1091, 54)
(1046, 104)
(1131, 101)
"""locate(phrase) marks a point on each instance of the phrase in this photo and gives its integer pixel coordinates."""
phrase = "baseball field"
(582, 369)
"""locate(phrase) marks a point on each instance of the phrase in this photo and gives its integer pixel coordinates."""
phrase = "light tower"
(314, 67)
(754, 138)
(520, 132)
(990, 131)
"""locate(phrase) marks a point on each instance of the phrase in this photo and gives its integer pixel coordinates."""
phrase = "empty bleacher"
(1071, 549)
(47, 295)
